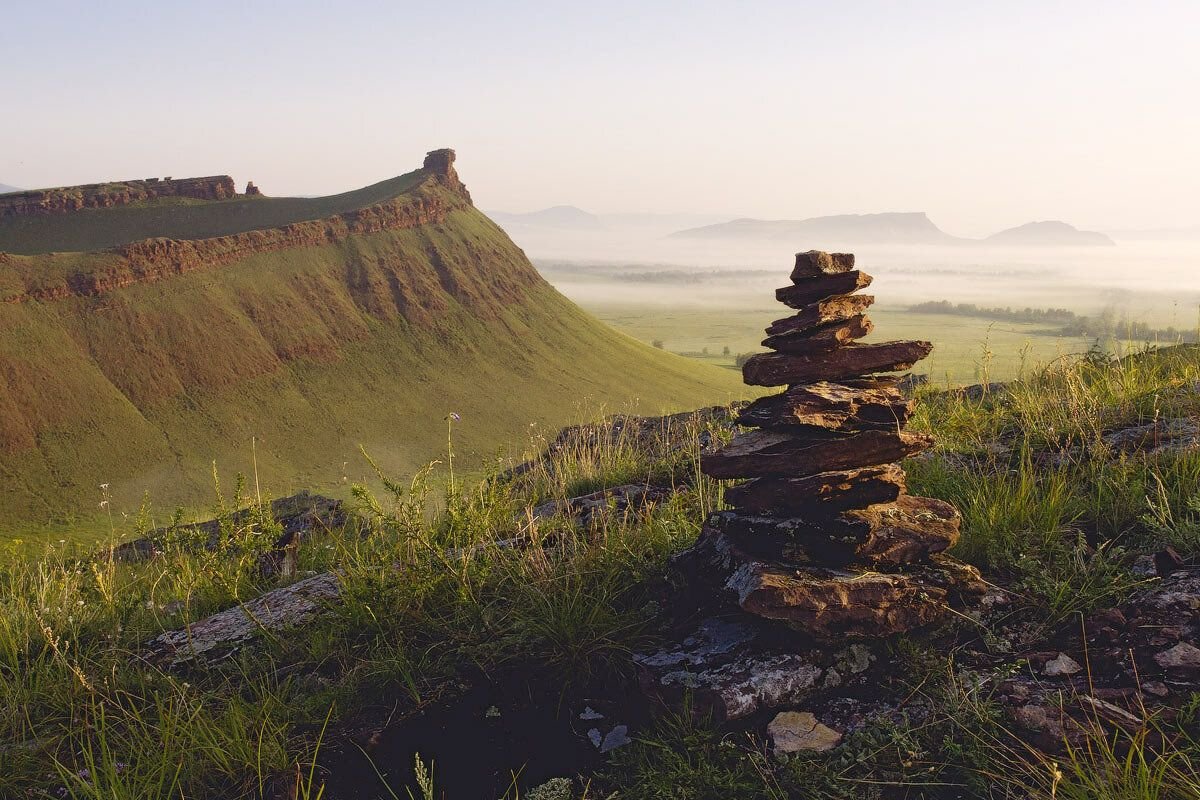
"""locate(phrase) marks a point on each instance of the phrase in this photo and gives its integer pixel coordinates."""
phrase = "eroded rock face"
(67, 199)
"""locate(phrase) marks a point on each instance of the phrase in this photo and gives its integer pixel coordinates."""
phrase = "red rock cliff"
(106, 195)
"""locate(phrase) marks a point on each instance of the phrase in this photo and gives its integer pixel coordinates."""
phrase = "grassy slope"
(562, 614)
(176, 218)
(312, 352)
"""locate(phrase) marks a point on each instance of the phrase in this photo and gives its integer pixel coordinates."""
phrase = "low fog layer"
(1149, 279)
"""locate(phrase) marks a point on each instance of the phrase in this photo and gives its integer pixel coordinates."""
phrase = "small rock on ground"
(1061, 666)
(799, 731)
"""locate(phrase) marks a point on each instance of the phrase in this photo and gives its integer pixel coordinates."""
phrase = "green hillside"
(138, 371)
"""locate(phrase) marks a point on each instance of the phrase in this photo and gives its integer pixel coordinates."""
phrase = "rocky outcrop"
(67, 199)
(155, 259)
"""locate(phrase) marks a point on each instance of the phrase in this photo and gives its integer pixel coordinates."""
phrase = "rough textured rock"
(223, 633)
(778, 369)
(818, 495)
(828, 603)
(1061, 665)
(836, 406)
(800, 731)
(907, 530)
(810, 291)
(823, 312)
(67, 199)
(785, 454)
(815, 264)
(821, 339)
(730, 668)
(252, 190)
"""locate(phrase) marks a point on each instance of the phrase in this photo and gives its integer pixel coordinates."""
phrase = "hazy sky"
(983, 114)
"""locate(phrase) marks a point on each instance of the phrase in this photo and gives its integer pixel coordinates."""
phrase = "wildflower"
(120, 767)
(84, 774)
(455, 417)
(104, 487)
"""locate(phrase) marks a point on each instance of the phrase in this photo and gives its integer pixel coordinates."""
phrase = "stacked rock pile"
(822, 535)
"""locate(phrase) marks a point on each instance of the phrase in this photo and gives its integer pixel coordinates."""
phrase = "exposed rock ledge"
(64, 200)
(155, 259)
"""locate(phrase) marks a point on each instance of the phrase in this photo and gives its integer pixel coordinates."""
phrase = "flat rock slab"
(730, 667)
(834, 406)
(781, 369)
(811, 290)
(799, 732)
(815, 263)
(818, 496)
(821, 339)
(798, 453)
(823, 312)
(829, 604)
(905, 531)
(222, 633)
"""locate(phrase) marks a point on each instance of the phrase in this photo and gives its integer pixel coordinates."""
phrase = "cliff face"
(155, 259)
(66, 199)
(139, 365)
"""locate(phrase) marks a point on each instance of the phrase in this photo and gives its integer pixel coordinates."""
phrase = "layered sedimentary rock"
(66, 199)
(821, 535)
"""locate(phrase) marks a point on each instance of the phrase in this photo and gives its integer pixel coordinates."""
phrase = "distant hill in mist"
(886, 228)
(1049, 233)
(5, 188)
(566, 217)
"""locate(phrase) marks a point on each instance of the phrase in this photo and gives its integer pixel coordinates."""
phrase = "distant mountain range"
(888, 228)
(5, 188)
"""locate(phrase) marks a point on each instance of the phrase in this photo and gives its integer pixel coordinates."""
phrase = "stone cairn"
(822, 535)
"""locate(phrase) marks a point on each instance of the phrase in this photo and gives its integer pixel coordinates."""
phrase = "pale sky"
(983, 114)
